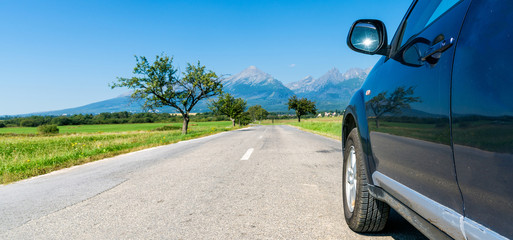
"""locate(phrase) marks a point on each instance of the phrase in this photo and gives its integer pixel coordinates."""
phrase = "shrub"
(48, 129)
(168, 128)
(28, 123)
(2, 125)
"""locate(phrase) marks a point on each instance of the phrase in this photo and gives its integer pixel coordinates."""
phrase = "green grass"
(93, 128)
(26, 155)
(329, 127)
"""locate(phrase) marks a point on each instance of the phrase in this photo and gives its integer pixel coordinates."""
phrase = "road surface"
(263, 182)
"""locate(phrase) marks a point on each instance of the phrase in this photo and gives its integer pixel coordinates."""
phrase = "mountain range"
(330, 91)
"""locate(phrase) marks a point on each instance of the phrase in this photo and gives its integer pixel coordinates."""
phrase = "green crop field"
(24, 154)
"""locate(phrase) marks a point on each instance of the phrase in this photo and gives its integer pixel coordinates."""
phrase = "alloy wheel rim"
(350, 180)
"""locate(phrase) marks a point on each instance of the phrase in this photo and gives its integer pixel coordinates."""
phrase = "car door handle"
(434, 53)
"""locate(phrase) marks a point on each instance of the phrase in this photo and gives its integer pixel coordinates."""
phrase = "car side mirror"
(368, 36)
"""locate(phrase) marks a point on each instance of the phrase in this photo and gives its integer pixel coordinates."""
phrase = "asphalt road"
(263, 182)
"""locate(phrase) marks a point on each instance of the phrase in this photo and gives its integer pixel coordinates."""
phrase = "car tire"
(363, 213)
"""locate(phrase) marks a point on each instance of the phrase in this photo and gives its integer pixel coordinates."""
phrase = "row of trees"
(159, 85)
(253, 113)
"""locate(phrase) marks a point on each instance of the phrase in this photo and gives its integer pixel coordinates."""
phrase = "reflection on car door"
(409, 110)
(482, 111)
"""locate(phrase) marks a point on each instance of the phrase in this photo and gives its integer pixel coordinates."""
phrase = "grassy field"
(24, 154)
(93, 128)
(329, 126)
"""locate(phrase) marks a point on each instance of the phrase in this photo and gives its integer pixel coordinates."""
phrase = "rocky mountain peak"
(308, 80)
(251, 75)
(355, 73)
(333, 76)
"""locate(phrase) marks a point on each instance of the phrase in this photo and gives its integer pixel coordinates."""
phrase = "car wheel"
(363, 213)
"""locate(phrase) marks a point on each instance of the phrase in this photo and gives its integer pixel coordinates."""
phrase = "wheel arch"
(355, 117)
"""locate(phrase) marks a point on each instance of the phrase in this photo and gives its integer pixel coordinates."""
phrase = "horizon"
(61, 54)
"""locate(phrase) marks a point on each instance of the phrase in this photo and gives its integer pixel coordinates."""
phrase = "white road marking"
(260, 137)
(247, 154)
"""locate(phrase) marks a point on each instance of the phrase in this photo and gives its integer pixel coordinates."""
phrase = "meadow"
(100, 128)
(24, 154)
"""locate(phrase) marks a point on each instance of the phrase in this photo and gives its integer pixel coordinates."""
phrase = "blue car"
(430, 132)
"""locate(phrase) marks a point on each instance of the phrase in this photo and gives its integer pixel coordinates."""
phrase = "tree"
(257, 112)
(61, 121)
(158, 85)
(28, 123)
(302, 106)
(399, 99)
(229, 106)
(245, 119)
(48, 129)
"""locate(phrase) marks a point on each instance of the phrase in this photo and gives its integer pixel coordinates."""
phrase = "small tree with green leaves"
(257, 112)
(48, 129)
(229, 106)
(302, 106)
(244, 119)
(158, 85)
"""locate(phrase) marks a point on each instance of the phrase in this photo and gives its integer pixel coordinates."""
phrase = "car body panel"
(482, 106)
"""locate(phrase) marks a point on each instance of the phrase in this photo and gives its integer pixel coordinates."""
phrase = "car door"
(482, 113)
(408, 109)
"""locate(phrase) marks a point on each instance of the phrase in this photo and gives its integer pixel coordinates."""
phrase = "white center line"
(247, 154)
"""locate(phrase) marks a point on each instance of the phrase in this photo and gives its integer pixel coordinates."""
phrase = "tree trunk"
(185, 124)
(298, 118)
(233, 122)
(377, 122)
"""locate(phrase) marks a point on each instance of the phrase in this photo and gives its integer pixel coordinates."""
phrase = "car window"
(424, 13)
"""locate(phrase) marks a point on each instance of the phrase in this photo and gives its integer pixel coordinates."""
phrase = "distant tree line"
(252, 114)
(105, 118)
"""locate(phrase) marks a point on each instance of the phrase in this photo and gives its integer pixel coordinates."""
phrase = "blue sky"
(63, 54)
